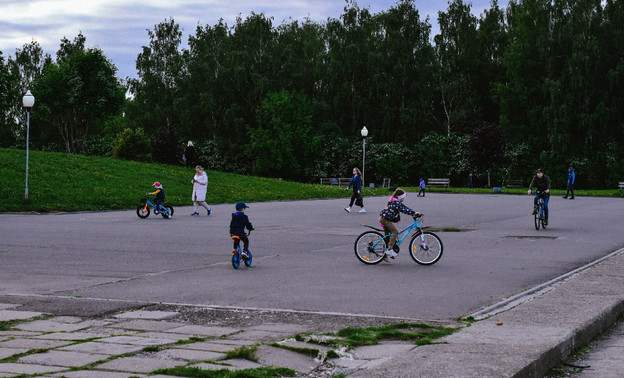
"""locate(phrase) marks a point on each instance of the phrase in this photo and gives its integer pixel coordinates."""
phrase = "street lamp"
(28, 101)
(364, 133)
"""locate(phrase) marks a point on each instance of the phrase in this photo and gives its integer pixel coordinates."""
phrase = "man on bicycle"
(541, 182)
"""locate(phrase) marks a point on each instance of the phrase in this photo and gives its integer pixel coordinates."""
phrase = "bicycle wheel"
(427, 251)
(169, 212)
(236, 260)
(143, 211)
(249, 258)
(370, 247)
(537, 219)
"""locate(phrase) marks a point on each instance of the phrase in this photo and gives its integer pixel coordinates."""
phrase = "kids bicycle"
(425, 247)
(143, 210)
(237, 253)
(539, 213)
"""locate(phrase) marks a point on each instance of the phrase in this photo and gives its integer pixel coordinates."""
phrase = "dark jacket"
(239, 222)
(356, 182)
(393, 210)
(540, 184)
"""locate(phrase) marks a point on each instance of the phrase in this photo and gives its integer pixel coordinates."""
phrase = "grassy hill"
(65, 182)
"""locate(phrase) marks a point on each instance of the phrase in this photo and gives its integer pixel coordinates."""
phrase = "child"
(422, 188)
(237, 227)
(159, 193)
(391, 214)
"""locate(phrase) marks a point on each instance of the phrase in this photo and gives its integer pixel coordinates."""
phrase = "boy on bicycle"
(391, 214)
(541, 182)
(159, 192)
(239, 222)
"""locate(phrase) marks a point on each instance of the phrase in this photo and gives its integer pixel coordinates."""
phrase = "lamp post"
(28, 101)
(364, 133)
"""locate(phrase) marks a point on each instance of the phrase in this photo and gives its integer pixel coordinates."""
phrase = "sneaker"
(348, 209)
(156, 211)
(362, 211)
(209, 212)
(564, 197)
(244, 255)
(391, 253)
(169, 216)
(235, 252)
(195, 213)
(571, 197)
(534, 210)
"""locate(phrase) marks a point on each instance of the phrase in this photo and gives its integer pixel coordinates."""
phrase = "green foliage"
(420, 333)
(262, 372)
(132, 145)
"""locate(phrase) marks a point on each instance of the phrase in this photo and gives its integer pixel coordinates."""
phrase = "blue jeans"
(546, 199)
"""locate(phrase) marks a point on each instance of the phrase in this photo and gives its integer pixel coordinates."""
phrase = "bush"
(132, 145)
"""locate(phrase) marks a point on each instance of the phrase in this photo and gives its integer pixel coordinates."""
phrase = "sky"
(119, 27)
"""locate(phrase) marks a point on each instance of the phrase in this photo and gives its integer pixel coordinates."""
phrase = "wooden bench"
(340, 181)
(439, 182)
(621, 187)
(514, 184)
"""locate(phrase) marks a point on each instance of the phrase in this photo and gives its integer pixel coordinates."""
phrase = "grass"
(65, 182)
(419, 333)
(244, 352)
(268, 372)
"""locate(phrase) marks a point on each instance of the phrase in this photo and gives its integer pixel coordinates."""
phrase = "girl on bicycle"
(392, 214)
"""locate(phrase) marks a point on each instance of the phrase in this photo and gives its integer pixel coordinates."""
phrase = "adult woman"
(356, 183)
(200, 182)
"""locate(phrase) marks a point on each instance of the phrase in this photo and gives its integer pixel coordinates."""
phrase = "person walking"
(200, 183)
(356, 183)
(422, 186)
(570, 189)
(189, 154)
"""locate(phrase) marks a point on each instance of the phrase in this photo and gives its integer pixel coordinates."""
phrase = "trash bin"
(496, 189)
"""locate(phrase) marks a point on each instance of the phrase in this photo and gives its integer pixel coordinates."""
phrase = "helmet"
(156, 183)
(241, 205)
(539, 170)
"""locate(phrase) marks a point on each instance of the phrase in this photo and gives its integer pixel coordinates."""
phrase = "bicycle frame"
(406, 231)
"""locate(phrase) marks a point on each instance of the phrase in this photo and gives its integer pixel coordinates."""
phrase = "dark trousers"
(570, 190)
(354, 198)
(245, 240)
(421, 192)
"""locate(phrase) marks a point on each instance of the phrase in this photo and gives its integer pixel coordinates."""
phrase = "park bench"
(514, 184)
(439, 182)
(621, 187)
(339, 181)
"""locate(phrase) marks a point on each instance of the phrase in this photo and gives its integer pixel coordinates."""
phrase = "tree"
(457, 54)
(284, 142)
(76, 92)
(486, 148)
(160, 67)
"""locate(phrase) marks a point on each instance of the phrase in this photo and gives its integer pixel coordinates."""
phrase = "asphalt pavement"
(540, 309)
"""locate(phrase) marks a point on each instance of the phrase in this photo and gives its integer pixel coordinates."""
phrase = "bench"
(386, 183)
(340, 181)
(621, 187)
(514, 184)
(439, 182)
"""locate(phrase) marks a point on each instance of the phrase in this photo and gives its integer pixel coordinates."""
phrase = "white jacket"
(199, 187)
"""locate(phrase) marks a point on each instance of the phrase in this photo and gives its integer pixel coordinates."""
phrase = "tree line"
(537, 84)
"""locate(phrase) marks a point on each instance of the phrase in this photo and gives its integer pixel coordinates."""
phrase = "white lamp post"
(364, 133)
(28, 101)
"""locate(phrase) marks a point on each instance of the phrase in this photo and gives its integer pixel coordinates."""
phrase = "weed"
(191, 340)
(305, 351)
(268, 372)
(420, 333)
(244, 352)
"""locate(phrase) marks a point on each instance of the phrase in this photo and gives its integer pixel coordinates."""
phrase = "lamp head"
(364, 132)
(28, 100)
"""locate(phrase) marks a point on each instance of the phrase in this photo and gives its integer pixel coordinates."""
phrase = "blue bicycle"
(238, 255)
(539, 211)
(143, 210)
(425, 247)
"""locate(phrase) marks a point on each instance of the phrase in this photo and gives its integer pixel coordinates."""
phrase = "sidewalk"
(525, 338)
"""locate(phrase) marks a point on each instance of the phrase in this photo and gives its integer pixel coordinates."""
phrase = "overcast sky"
(119, 27)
